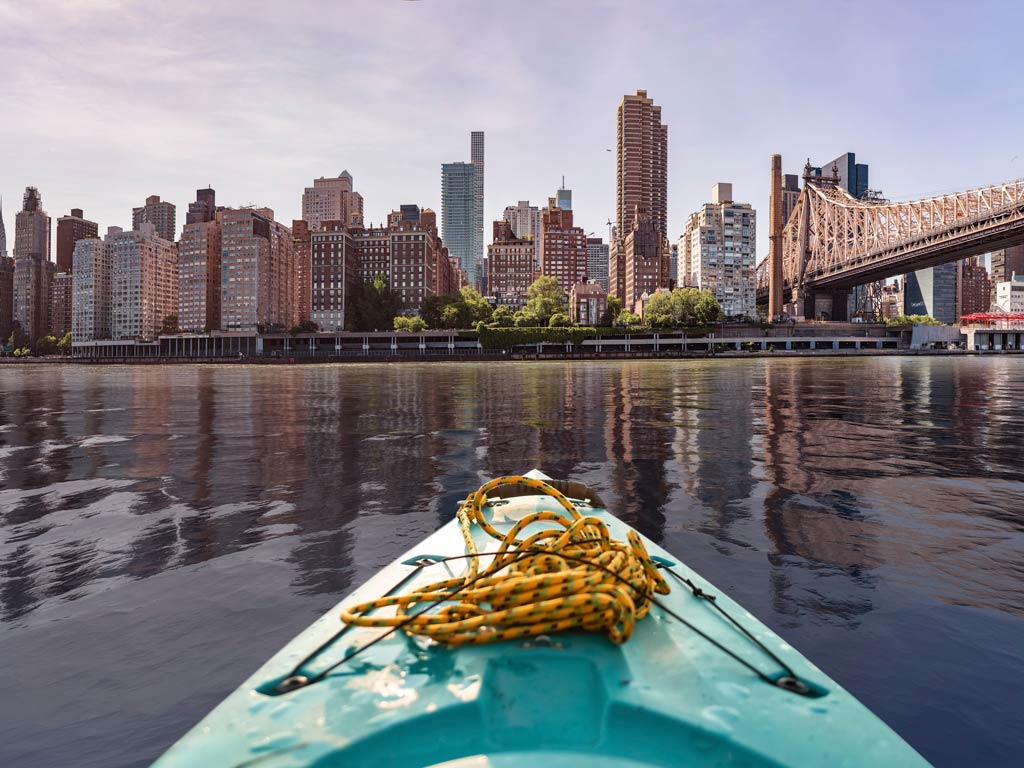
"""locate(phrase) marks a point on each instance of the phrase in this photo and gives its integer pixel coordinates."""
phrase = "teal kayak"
(697, 681)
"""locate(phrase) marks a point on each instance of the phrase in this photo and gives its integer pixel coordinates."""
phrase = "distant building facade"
(512, 267)
(932, 292)
(332, 199)
(60, 303)
(790, 194)
(588, 303)
(1005, 264)
(257, 271)
(415, 255)
(564, 247)
(458, 214)
(525, 221)
(645, 260)
(3, 231)
(160, 214)
(1010, 295)
(32, 266)
(71, 229)
(853, 176)
(718, 252)
(204, 208)
(6, 298)
(973, 287)
(143, 282)
(333, 274)
(597, 262)
(199, 273)
(302, 257)
(90, 288)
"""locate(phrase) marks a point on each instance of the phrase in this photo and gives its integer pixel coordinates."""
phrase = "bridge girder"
(834, 241)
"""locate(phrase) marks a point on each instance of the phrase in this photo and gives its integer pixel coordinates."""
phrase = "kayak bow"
(537, 628)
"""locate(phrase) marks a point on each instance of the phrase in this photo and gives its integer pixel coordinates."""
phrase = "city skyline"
(396, 129)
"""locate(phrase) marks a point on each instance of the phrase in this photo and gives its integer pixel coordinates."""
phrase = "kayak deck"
(668, 697)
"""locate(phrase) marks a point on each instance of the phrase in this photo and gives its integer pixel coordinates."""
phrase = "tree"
(627, 318)
(170, 326)
(559, 320)
(451, 317)
(526, 318)
(17, 339)
(477, 307)
(64, 345)
(707, 309)
(544, 299)
(912, 320)
(503, 317)
(306, 326)
(612, 313)
(409, 324)
(659, 312)
(376, 305)
(46, 345)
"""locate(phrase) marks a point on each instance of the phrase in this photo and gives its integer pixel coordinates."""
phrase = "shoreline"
(491, 357)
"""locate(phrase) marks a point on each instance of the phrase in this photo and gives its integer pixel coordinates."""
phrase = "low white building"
(717, 252)
(1010, 295)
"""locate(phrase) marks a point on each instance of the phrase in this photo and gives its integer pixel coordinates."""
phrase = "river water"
(163, 530)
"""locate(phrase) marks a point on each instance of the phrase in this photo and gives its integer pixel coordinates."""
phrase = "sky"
(104, 102)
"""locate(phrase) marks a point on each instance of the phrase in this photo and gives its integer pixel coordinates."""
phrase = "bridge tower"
(776, 224)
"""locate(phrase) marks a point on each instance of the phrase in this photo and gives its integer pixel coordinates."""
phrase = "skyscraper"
(257, 271)
(333, 273)
(642, 163)
(639, 262)
(458, 212)
(476, 156)
(3, 232)
(331, 199)
(717, 252)
(853, 176)
(160, 214)
(90, 288)
(6, 297)
(143, 282)
(71, 229)
(60, 303)
(199, 270)
(32, 266)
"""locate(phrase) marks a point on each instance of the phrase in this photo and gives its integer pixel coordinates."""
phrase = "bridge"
(834, 242)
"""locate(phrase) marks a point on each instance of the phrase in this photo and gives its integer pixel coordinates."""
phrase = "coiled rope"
(572, 575)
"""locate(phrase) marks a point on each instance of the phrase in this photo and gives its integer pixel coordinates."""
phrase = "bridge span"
(833, 241)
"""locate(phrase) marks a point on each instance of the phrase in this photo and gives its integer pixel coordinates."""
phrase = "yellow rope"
(572, 575)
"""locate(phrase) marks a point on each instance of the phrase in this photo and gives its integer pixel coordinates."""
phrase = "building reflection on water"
(130, 472)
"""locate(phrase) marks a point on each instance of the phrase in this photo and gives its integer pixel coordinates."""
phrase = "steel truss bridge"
(834, 241)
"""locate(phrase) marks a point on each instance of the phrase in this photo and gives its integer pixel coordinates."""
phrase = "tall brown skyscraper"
(639, 263)
(32, 266)
(71, 229)
(642, 169)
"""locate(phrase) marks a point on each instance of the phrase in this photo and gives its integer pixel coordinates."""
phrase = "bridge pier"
(827, 304)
